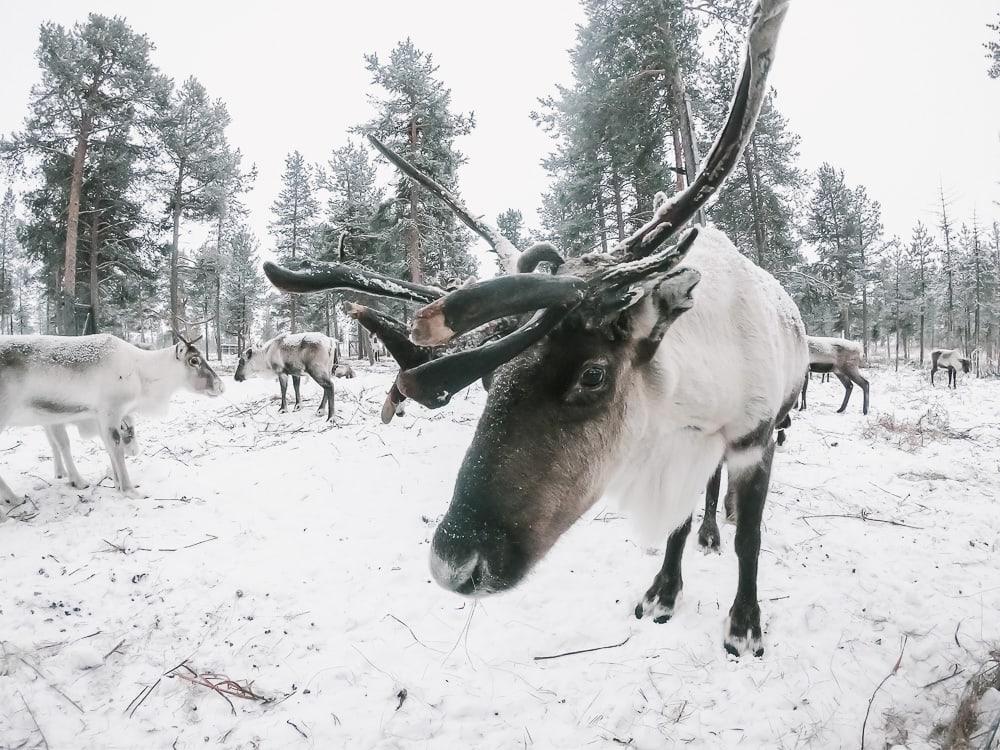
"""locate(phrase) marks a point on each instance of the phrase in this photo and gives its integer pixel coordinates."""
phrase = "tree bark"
(95, 286)
(755, 211)
(616, 188)
(690, 145)
(72, 225)
(678, 155)
(413, 230)
(175, 251)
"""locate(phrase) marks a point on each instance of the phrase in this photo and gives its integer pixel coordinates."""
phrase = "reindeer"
(638, 372)
(93, 381)
(841, 357)
(952, 360)
(293, 354)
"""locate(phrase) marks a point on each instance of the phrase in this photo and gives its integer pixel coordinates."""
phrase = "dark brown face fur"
(538, 460)
(555, 425)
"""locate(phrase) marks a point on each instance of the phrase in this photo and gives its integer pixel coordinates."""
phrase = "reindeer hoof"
(135, 494)
(660, 601)
(708, 538)
(80, 484)
(296, 407)
(743, 634)
(283, 410)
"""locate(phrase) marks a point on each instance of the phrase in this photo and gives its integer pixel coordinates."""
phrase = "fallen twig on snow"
(291, 723)
(31, 713)
(583, 650)
(885, 679)
(862, 516)
(51, 684)
(220, 684)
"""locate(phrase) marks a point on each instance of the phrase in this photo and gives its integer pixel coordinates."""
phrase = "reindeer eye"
(194, 360)
(592, 377)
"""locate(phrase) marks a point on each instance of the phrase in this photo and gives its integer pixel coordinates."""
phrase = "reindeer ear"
(180, 349)
(671, 298)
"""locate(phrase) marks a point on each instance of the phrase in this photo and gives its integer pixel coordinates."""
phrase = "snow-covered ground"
(280, 551)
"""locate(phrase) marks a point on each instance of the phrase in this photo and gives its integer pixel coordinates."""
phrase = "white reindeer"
(294, 354)
(99, 380)
(952, 361)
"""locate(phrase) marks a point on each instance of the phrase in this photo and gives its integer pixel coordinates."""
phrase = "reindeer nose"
(464, 578)
(468, 555)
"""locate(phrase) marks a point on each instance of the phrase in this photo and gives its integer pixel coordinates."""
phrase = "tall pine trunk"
(175, 252)
(68, 301)
(95, 260)
(218, 312)
(616, 189)
(675, 135)
(413, 230)
(755, 208)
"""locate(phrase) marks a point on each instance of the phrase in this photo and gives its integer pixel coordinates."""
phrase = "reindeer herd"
(640, 372)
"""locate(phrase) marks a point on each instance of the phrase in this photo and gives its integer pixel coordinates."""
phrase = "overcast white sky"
(893, 91)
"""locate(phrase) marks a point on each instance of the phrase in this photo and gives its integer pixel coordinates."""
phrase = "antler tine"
(500, 244)
(316, 276)
(434, 383)
(393, 334)
(471, 306)
(725, 153)
(540, 252)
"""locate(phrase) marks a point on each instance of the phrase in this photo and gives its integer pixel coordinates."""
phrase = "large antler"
(751, 90)
(315, 276)
(500, 244)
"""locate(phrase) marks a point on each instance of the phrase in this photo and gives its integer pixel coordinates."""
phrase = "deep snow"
(283, 551)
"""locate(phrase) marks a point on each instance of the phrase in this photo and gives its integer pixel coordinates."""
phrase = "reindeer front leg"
(57, 463)
(708, 533)
(114, 444)
(59, 438)
(283, 385)
(749, 477)
(662, 596)
(296, 385)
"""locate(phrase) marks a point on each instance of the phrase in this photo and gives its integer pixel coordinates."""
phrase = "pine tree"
(243, 287)
(191, 128)
(613, 127)
(295, 210)
(948, 267)
(511, 225)
(829, 229)
(922, 253)
(95, 77)
(756, 205)
(414, 118)
(8, 256)
(867, 225)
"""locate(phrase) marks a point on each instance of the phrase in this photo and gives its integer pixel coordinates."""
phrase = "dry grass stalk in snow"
(965, 730)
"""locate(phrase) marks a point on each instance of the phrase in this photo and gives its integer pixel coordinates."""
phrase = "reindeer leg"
(61, 439)
(57, 462)
(6, 493)
(110, 430)
(283, 385)
(933, 370)
(662, 595)
(708, 532)
(858, 378)
(324, 381)
(751, 484)
(848, 387)
(296, 383)
(805, 386)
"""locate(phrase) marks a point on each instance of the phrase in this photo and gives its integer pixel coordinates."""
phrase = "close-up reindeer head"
(575, 388)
